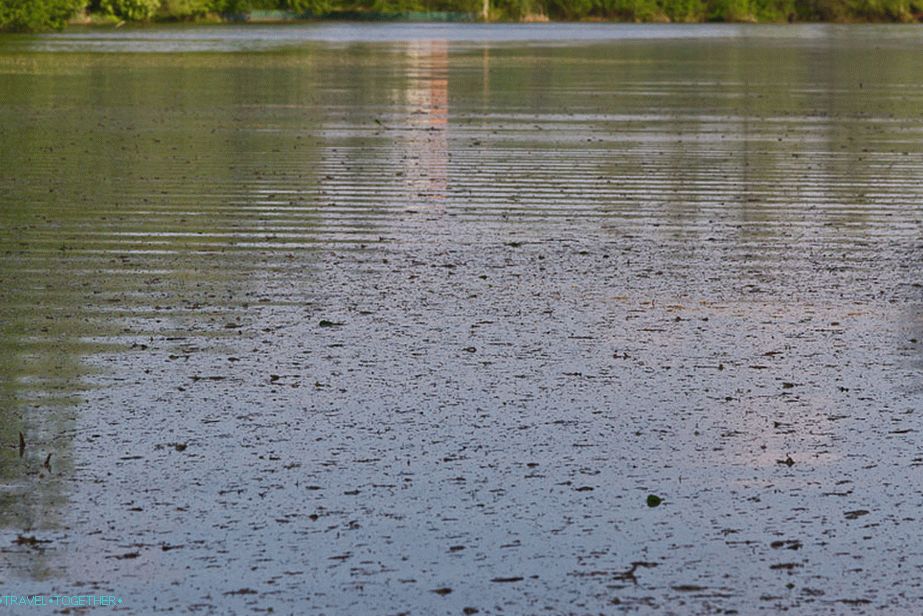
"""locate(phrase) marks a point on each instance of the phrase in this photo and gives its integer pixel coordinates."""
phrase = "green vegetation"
(134, 10)
(30, 15)
(26, 15)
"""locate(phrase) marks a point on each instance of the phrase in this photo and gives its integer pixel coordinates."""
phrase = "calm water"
(327, 318)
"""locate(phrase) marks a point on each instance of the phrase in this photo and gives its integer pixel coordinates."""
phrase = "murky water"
(335, 319)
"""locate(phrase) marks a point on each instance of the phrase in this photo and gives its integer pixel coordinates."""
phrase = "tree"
(30, 15)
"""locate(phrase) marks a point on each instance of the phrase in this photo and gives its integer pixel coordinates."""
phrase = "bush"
(314, 7)
(516, 9)
(685, 10)
(730, 10)
(775, 10)
(30, 15)
(875, 10)
(241, 6)
(184, 9)
(396, 6)
(633, 10)
(133, 10)
(570, 9)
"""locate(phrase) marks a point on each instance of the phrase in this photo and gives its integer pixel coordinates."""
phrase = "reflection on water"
(345, 314)
(426, 152)
(263, 38)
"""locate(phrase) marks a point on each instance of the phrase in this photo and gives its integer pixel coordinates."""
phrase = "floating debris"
(30, 540)
(788, 544)
(507, 580)
(688, 588)
(629, 574)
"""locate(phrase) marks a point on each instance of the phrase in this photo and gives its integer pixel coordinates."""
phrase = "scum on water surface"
(342, 319)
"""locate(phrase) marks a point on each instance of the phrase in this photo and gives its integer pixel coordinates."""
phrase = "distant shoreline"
(284, 18)
(39, 15)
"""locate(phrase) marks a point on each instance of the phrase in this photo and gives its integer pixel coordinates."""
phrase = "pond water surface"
(348, 319)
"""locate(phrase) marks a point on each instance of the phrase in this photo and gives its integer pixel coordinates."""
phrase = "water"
(327, 318)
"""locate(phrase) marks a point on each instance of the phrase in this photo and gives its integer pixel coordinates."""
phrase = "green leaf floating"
(653, 500)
